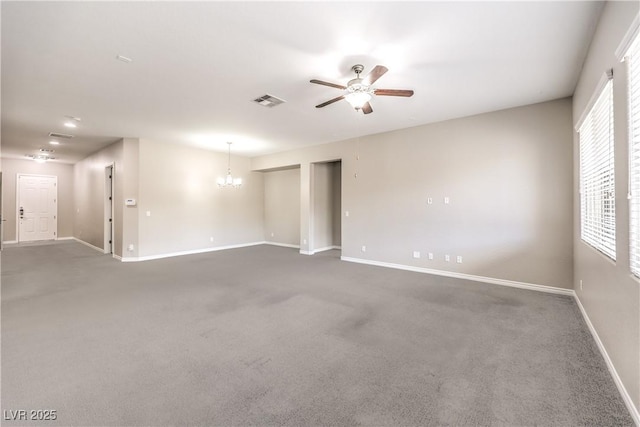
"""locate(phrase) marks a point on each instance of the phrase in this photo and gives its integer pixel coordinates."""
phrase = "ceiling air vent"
(60, 135)
(268, 101)
(40, 157)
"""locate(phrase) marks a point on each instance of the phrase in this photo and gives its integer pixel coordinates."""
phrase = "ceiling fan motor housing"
(357, 85)
(359, 91)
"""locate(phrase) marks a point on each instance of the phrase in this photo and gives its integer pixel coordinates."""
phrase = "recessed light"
(72, 122)
(54, 143)
(124, 59)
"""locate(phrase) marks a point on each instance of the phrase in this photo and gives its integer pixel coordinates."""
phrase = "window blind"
(633, 57)
(597, 183)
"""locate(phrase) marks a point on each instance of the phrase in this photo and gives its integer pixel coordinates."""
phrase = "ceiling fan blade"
(331, 101)
(320, 82)
(377, 72)
(366, 108)
(393, 92)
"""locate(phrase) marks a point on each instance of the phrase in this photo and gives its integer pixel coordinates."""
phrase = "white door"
(37, 207)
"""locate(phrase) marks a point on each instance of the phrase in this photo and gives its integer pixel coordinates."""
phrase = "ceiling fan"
(359, 90)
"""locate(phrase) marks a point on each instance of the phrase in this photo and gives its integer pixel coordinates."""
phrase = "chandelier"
(229, 180)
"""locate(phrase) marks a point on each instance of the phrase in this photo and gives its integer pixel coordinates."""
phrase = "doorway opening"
(326, 217)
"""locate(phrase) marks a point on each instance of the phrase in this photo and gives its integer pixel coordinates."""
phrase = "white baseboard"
(633, 410)
(326, 248)
(11, 242)
(315, 251)
(190, 252)
(502, 282)
(87, 244)
(284, 245)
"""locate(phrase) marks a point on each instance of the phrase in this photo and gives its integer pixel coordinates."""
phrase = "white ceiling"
(197, 66)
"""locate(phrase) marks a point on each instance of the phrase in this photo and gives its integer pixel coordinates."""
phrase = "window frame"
(597, 171)
(632, 58)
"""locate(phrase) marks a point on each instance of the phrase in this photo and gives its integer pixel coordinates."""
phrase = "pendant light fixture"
(229, 180)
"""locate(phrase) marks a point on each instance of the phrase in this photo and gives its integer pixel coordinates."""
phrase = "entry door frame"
(19, 198)
(109, 217)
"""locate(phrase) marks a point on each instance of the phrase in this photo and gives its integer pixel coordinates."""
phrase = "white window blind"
(633, 57)
(597, 184)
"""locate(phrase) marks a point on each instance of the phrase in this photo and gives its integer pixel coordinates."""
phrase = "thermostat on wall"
(130, 202)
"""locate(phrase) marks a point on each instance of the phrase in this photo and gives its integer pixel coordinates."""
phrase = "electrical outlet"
(304, 241)
(272, 234)
(416, 254)
(364, 248)
(446, 200)
(430, 255)
(429, 200)
(211, 239)
(346, 213)
(130, 248)
(447, 258)
(459, 259)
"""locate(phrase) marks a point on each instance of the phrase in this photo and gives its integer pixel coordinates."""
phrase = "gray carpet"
(265, 336)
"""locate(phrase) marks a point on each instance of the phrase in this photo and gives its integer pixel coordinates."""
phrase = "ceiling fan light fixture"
(358, 98)
(359, 91)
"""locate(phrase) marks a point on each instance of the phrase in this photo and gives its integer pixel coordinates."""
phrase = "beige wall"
(507, 175)
(89, 190)
(508, 178)
(178, 188)
(282, 206)
(176, 185)
(64, 172)
(128, 181)
(303, 158)
(609, 294)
